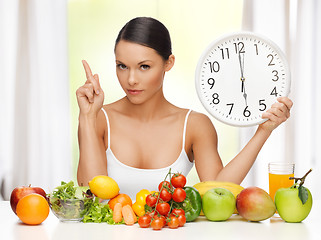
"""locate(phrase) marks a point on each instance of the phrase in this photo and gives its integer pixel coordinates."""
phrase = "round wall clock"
(239, 76)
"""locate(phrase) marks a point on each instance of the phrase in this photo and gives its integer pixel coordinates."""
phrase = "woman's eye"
(121, 66)
(144, 67)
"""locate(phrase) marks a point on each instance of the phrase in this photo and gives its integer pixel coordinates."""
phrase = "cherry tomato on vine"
(178, 180)
(151, 214)
(151, 200)
(179, 195)
(166, 185)
(157, 224)
(162, 218)
(181, 220)
(165, 195)
(163, 208)
(173, 222)
(178, 211)
(144, 221)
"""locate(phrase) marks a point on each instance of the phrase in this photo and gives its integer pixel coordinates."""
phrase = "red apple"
(255, 204)
(20, 192)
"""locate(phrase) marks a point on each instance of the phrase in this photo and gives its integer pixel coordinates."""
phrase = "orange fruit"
(32, 209)
(122, 198)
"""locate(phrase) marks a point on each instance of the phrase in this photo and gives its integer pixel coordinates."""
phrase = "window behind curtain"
(93, 28)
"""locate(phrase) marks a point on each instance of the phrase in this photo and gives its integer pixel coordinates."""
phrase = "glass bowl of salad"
(68, 202)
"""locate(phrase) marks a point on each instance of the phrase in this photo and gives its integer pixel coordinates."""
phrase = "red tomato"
(178, 211)
(163, 208)
(162, 218)
(151, 200)
(179, 195)
(178, 180)
(157, 224)
(166, 185)
(165, 195)
(144, 221)
(152, 213)
(181, 220)
(173, 222)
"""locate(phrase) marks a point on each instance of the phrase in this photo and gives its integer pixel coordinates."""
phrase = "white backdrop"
(296, 27)
(35, 144)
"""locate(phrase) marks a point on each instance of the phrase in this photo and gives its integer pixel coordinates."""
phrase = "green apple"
(289, 204)
(218, 204)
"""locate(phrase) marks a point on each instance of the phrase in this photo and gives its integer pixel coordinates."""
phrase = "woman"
(136, 139)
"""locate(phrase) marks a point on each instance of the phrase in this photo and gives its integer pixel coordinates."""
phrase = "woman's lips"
(134, 92)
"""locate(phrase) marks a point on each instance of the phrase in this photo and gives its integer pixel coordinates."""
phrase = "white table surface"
(234, 228)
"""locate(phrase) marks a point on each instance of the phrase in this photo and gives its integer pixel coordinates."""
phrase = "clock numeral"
(262, 104)
(215, 100)
(232, 105)
(239, 47)
(256, 49)
(271, 61)
(275, 75)
(214, 66)
(246, 112)
(227, 53)
(211, 82)
(274, 92)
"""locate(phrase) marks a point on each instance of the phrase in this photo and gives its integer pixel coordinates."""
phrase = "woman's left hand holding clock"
(277, 114)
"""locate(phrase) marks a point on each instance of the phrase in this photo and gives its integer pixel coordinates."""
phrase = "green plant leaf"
(303, 194)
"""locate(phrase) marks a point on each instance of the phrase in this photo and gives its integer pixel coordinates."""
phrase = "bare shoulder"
(200, 121)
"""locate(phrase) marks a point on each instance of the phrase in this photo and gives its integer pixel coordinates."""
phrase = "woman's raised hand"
(277, 114)
(90, 96)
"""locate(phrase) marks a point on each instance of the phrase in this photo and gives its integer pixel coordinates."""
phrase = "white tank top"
(131, 180)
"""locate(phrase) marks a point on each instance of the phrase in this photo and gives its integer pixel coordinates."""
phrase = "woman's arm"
(92, 156)
(207, 159)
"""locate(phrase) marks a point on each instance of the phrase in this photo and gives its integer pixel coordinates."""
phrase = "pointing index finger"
(89, 74)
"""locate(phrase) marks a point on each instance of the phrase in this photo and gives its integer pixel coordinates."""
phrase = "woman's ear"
(169, 62)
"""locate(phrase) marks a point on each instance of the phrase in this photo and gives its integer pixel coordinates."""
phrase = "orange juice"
(277, 181)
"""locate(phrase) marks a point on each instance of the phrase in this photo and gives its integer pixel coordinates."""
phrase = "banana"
(203, 187)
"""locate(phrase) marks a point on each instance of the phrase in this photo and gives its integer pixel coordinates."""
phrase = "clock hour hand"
(244, 94)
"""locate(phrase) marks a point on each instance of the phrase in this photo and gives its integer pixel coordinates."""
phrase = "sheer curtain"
(35, 141)
(296, 27)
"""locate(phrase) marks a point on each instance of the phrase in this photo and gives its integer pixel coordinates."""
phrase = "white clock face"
(240, 76)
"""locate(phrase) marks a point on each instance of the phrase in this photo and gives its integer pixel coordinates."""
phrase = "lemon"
(104, 187)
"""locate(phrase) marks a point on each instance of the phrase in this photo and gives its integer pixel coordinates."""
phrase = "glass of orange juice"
(279, 174)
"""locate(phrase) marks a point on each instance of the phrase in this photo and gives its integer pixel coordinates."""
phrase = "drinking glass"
(279, 174)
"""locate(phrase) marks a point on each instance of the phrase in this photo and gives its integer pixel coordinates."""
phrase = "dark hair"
(148, 32)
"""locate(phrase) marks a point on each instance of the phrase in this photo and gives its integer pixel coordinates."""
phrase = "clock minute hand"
(241, 61)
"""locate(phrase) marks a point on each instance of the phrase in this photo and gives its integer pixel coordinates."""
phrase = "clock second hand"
(241, 60)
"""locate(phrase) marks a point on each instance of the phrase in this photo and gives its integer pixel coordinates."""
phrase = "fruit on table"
(121, 198)
(139, 205)
(104, 187)
(294, 204)
(32, 209)
(289, 205)
(192, 204)
(141, 196)
(218, 204)
(255, 204)
(203, 187)
(20, 192)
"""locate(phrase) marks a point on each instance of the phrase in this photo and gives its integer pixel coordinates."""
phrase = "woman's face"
(140, 70)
